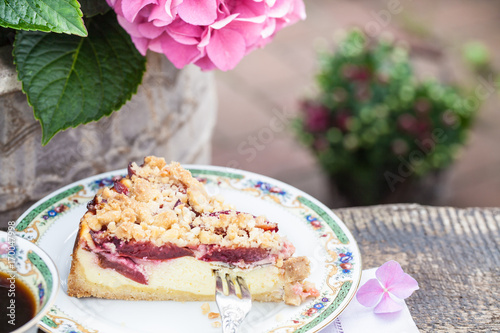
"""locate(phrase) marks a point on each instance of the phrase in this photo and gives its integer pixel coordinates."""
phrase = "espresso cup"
(30, 281)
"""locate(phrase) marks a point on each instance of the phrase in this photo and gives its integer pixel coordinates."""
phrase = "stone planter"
(172, 115)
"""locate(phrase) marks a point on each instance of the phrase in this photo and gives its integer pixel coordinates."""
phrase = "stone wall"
(172, 115)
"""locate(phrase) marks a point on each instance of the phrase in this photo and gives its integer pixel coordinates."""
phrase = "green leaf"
(63, 16)
(71, 80)
(93, 7)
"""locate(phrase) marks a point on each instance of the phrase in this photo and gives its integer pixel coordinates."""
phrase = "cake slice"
(157, 235)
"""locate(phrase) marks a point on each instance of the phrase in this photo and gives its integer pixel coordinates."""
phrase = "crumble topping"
(205, 308)
(213, 315)
(163, 204)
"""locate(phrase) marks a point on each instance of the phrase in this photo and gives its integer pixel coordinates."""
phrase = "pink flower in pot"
(317, 118)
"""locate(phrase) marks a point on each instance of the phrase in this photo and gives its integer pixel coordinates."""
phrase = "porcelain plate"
(314, 229)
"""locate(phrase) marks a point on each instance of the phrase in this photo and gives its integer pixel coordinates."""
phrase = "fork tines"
(232, 308)
(231, 290)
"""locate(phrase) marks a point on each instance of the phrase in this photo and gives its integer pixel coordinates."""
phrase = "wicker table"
(453, 253)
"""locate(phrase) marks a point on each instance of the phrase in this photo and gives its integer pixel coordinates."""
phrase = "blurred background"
(456, 42)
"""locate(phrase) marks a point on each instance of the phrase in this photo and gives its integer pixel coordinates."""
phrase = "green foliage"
(71, 80)
(477, 55)
(372, 116)
(63, 16)
(93, 7)
(7, 36)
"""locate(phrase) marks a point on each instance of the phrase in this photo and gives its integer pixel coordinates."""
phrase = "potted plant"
(79, 61)
(375, 129)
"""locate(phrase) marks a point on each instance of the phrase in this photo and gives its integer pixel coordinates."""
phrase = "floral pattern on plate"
(335, 258)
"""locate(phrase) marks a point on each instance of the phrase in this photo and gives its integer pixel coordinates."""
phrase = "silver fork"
(232, 308)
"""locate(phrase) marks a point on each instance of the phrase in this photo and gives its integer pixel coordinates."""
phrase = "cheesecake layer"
(180, 279)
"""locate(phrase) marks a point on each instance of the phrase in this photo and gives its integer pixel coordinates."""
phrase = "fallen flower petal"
(392, 284)
(389, 272)
(404, 287)
(369, 293)
(387, 305)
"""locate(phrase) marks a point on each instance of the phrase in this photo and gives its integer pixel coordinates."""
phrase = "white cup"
(28, 263)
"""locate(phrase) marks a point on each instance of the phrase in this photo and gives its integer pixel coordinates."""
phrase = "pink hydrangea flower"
(386, 291)
(209, 33)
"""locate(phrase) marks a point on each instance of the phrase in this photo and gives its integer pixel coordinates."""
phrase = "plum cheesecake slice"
(157, 235)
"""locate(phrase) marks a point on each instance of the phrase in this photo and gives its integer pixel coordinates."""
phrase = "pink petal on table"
(403, 287)
(369, 293)
(388, 305)
(131, 8)
(226, 48)
(179, 54)
(389, 273)
(198, 12)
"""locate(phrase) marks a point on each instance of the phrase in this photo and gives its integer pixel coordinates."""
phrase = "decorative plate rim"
(198, 170)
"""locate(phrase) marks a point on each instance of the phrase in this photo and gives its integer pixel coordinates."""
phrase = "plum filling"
(140, 250)
(130, 171)
(125, 266)
(236, 255)
(120, 188)
(92, 205)
(146, 250)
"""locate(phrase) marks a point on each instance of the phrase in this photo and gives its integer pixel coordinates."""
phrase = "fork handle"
(232, 316)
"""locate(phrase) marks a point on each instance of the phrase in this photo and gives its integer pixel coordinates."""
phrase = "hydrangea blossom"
(209, 33)
(390, 285)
